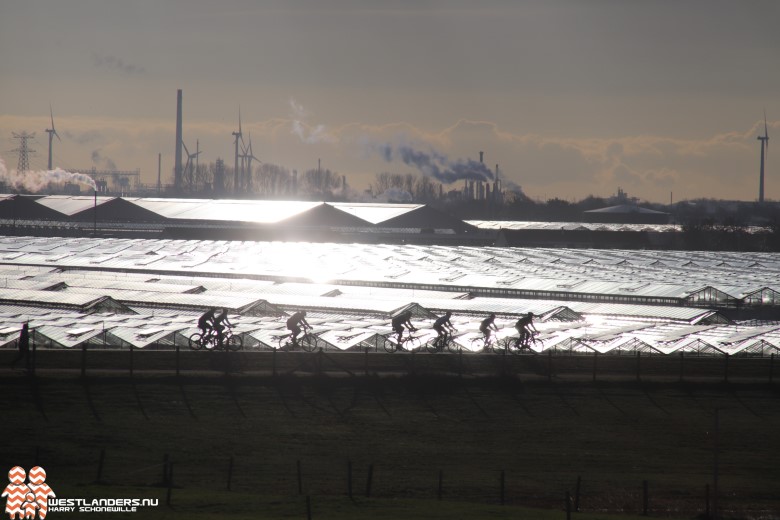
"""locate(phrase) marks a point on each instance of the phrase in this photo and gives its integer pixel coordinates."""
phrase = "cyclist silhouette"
(486, 326)
(398, 324)
(524, 326)
(220, 322)
(206, 321)
(294, 323)
(443, 327)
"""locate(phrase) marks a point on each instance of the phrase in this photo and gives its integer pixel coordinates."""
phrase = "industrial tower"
(24, 151)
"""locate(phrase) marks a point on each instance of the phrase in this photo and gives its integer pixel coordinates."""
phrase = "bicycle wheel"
(196, 341)
(234, 342)
(390, 346)
(309, 342)
(453, 347)
(432, 345)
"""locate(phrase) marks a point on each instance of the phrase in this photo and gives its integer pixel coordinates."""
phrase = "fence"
(548, 366)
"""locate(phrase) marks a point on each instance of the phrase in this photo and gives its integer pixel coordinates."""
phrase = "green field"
(411, 431)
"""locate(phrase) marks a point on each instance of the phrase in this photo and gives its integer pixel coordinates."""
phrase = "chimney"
(481, 156)
(177, 166)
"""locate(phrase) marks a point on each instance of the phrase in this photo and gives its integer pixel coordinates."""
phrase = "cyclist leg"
(294, 331)
(399, 330)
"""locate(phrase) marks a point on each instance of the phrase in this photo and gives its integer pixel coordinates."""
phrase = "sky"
(662, 99)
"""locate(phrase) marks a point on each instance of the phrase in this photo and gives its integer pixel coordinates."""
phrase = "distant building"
(626, 214)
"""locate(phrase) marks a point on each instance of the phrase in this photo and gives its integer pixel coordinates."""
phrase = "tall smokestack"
(481, 156)
(177, 167)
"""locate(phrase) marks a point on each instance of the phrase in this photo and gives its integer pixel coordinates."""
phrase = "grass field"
(413, 432)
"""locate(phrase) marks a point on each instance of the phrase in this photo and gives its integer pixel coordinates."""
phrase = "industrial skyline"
(570, 99)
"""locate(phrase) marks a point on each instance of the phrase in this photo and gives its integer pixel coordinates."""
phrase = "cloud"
(109, 62)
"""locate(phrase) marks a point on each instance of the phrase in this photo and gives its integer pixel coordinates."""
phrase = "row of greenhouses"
(118, 293)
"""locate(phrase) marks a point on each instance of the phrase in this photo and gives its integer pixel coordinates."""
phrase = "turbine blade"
(185, 148)
(53, 130)
(766, 133)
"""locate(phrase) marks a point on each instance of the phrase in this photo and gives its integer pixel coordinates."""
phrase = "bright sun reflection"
(300, 261)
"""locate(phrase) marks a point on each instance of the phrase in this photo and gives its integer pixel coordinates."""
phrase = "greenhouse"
(149, 293)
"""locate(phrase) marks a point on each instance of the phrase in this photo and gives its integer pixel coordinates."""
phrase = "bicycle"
(485, 343)
(515, 346)
(440, 343)
(407, 343)
(309, 342)
(212, 340)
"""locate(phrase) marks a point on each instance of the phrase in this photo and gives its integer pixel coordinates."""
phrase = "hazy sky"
(569, 98)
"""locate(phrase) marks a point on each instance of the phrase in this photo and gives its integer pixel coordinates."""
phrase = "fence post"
(177, 360)
(682, 366)
(707, 501)
(165, 470)
(369, 480)
(441, 484)
(349, 479)
(726, 368)
(308, 507)
(644, 498)
(549, 365)
(503, 483)
(365, 362)
(638, 366)
(715, 464)
(300, 477)
(595, 360)
(32, 361)
(131, 361)
(84, 360)
(273, 362)
(170, 484)
(577, 495)
(568, 506)
(99, 477)
(771, 364)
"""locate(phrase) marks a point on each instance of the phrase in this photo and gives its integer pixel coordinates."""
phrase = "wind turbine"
(187, 172)
(248, 156)
(764, 153)
(52, 132)
(238, 136)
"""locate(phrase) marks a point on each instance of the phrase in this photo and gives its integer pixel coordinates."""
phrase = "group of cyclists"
(213, 321)
(217, 322)
(444, 328)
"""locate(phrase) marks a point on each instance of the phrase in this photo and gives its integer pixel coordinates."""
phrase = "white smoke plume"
(35, 181)
(306, 133)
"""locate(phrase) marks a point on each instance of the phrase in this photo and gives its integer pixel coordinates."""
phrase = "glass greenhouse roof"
(118, 292)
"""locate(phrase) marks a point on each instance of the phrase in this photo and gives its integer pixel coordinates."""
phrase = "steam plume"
(437, 165)
(35, 181)
(306, 133)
